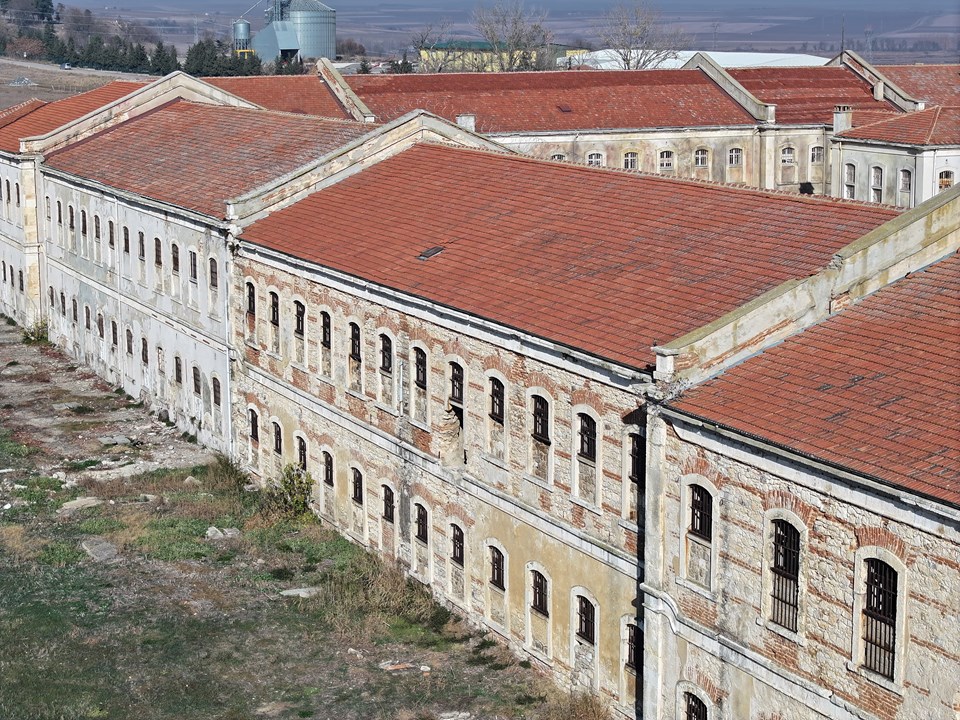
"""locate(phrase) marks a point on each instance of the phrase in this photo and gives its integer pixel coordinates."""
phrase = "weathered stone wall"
(717, 638)
(483, 482)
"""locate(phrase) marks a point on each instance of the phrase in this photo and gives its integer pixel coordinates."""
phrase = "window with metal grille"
(539, 602)
(630, 161)
(588, 437)
(300, 318)
(178, 370)
(388, 504)
(277, 439)
(216, 392)
(496, 401)
(786, 575)
(302, 453)
(633, 647)
(735, 156)
(328, 469)
(157, 252)
(325, 330)
(696, 709)
(422, 523)
(175, 259)
(701, 513)
(701, 158)
(197, 387)
(254, 422)
(354, 342)
(638, 458)
(541, 419)
(586, 620)
(386, 354)
(274, 309)
(420, 368)
(357, 486)
(456, 537)
(496, 568)
(880, 618)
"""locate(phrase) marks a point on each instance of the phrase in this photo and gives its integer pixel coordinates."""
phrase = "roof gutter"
(877, 484)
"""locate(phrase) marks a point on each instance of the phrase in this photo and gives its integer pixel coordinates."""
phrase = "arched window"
(631, 161)
(277, 438)
(786, 575)
(388, 503)
(457, 551)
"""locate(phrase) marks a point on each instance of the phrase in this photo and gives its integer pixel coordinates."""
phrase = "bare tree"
(634, 32)
(518, 38)
(433, 45)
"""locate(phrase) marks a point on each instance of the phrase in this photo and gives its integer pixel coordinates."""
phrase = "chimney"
(467, 121)
(878, 91)
(842, 118)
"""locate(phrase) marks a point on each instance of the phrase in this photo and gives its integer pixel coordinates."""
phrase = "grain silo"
(298, 28)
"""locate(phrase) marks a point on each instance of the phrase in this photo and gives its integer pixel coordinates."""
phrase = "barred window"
(497, 568)
(701, 512)
(786, 574)
(586, 620)
(880, 618)
(388, 504)
(421, 522)
(588, 437)
(539, 602)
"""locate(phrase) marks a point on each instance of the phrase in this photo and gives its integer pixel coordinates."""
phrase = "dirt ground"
(50, 82)
(139, 578)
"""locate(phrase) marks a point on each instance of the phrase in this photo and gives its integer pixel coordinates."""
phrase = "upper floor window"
(214, 274)
(277, 438)
(386, 354)
(595, 160)
(701, 158)
(300, 318)
(496, 401)
(880, 618)
(695, 708)
(735, 156)
(701, 513)
(945, 180)
(786, 575)
(588, 437)
(357, 486)
(787, 155)
(388, 504)
(816, 155)
(540, 600)
(457, 552)
(666, 159)
(586, 619)
(631, 161)
(274, 309)
(251, 299)
(355, 342)
(420, 368)
(541, 419)
(497, 575)
(906, 180)
(422, 523)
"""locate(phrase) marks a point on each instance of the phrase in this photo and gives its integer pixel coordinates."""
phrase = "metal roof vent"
(430, 252)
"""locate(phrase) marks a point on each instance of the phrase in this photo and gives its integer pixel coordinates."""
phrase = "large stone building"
(510, 389)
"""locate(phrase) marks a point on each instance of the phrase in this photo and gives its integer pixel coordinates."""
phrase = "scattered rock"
(99, 549)
(305, 592)
(214, 534)
(191, 481)
(68, 508)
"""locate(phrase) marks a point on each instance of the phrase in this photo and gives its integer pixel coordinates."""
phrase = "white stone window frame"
(528, 434)
(596, 159)
(684, 687)
(766, 581)
(626, 461)
(902, 635)
(492, 542)
(631, 157)
(574, 638)
(669, 155)
(594, 502)
(425, 423)
(293, 337)
(528, 611)
(488, 421)
(418, 572)
(686, 482)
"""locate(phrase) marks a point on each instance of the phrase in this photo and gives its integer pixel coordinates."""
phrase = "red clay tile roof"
(604, 261)
(533, 101)
(938, 84)
(874, 389)
(197, 156)
(52, 115)
(934, 126)
(303, 94)
(807, 94)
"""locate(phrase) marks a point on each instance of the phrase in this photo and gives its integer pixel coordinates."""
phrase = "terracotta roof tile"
(621, 262)
(197, 156)
(556, 101)
(874, 389)
(939, 84)
(933, 126)
(52, 115)
(808, 94)
(303, 94)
